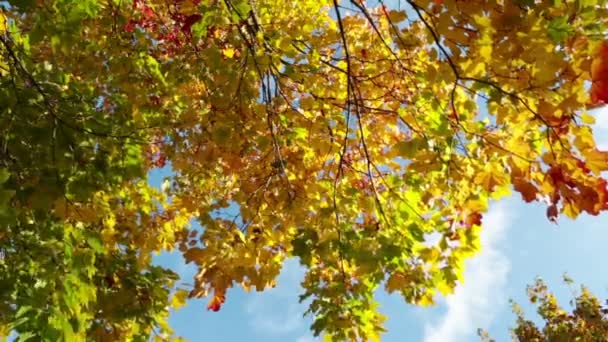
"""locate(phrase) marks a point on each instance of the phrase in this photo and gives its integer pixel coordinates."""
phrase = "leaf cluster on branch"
(588, 320)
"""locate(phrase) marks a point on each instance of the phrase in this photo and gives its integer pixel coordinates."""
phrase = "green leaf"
(559, 29)
(199, 29)
(25, 335)
(95, 243)
(4, 175)
(22, 311)
(300, 133)
(242, 9)
(407, 149)
(67, 329)
(5, 197)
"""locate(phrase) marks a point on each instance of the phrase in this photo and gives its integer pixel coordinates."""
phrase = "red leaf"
(147, 12)
(216, 302)
(555, 172)
(583, 166)
(130, 26)
(161, 161)
(552, 213)
(599, 92)
(558, 176)
(473, 219)
(189, 21)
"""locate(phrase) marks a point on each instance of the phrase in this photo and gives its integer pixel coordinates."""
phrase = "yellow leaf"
(2, 22)
(571, 210)
(587, 118)
(477, 205)
(188, 6)
(109, 222)
(583, 140)
(596, 160)
(426, 300)
(228, 52)
(444, 288)
(179, 299)
(482, 21)
(474, 68)
(501, 191)
(485, 51)
(491, 177)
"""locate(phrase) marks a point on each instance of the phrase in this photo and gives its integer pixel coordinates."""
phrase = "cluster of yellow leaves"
(141, 205)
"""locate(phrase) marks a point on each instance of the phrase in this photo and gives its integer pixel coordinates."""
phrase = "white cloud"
(601, 115)
(474, 304)
(601, 126)
(277, 311)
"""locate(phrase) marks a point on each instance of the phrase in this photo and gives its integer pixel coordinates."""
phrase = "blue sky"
(518, 244)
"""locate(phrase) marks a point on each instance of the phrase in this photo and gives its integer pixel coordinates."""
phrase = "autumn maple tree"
(342, 133)
(588, 320)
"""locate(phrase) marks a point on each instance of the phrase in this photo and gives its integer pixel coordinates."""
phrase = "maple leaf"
(473, 219)
(597, 161)
(599, 75)
(228, 52)
(179, 299)
(491, 177)
(216, 302)
(527, 190)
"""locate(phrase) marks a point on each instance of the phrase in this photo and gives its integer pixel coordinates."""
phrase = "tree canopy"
(588, 320)
(343, 133)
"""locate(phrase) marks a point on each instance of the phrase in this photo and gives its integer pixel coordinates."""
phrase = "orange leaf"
(599, 75)
(525, 188)
(473, 219)
(216, 302)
